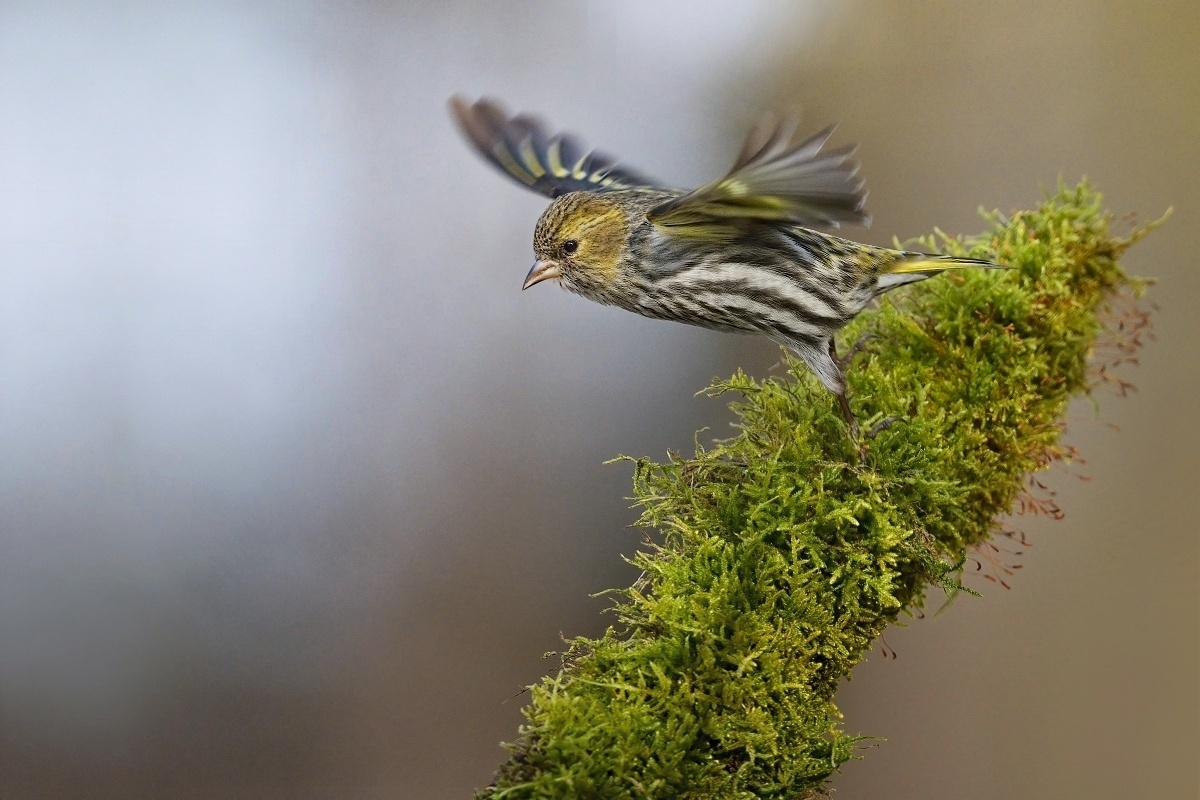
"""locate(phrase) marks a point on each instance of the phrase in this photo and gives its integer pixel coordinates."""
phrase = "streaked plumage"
(738, 254)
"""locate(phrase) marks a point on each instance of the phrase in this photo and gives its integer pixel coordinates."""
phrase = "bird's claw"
(863, 440)
(882, 425)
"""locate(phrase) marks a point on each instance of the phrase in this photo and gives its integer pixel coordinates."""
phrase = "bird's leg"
(844, 402)
(847, 414)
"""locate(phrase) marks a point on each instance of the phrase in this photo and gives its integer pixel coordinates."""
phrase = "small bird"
(739, 254)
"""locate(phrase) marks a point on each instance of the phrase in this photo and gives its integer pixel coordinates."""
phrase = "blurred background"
(297, 487)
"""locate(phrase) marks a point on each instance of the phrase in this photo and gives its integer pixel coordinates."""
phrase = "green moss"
(779, 556)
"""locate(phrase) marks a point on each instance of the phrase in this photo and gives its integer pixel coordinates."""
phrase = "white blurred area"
(279, 432)
(296, 486)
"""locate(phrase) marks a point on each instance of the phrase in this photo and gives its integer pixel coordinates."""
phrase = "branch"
(779, 557)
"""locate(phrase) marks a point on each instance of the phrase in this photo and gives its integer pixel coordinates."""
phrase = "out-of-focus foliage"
(780, 556)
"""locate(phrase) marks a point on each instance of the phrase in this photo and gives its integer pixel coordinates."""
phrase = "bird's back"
(787, 283)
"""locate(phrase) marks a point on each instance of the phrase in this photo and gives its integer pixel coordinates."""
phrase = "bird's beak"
(542, 271)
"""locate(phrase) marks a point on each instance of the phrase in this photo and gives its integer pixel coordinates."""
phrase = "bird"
(741, 254)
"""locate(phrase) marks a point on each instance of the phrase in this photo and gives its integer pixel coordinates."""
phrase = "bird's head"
(581, 241)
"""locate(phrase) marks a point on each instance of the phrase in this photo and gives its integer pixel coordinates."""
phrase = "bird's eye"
(570, 246)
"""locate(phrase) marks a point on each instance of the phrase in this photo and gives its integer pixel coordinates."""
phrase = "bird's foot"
(879, 427)
(882, 425)
(843, 361)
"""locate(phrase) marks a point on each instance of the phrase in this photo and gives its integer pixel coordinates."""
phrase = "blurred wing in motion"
(551, 164)
(775, 180)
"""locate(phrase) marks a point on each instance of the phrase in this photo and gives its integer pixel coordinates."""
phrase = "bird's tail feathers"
(913, 267)
(924, 262)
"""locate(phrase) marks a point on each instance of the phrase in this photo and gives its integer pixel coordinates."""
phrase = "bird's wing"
(549, 163)
(776, 180)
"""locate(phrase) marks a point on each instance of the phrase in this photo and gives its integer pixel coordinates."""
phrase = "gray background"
(296, 487)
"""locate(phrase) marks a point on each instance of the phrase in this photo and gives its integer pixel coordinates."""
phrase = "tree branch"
(780, 557)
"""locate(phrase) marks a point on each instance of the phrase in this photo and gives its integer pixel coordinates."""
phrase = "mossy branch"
(779, 556)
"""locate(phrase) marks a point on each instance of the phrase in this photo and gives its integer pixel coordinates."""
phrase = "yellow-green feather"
(911, 262)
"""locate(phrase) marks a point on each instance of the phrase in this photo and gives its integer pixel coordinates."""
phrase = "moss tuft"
(779, 557)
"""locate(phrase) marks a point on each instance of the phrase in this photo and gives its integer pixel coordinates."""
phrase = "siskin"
(738, 254)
